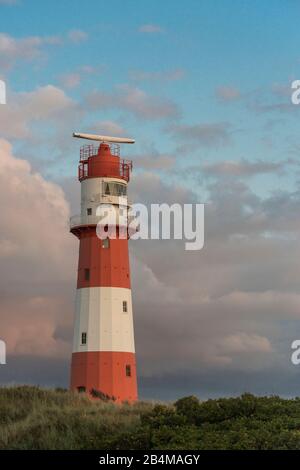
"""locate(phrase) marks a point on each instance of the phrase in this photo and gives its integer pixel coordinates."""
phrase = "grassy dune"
(33, 418)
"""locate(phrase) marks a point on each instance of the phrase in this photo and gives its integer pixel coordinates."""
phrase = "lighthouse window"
(81, 389)
(128, 370)
(124, 306)
(120, 189)
(83, 338)
(86, 274)
(114, 189)
(89, 211)
(106, 190)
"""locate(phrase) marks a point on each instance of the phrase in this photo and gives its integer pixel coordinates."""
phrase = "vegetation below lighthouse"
(34, 418)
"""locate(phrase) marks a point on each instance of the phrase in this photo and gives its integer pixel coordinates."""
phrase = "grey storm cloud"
(217, 321)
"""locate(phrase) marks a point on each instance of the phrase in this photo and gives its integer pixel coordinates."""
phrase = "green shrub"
(34, 418)
(188, 407)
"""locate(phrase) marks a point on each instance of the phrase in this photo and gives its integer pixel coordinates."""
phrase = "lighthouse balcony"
(98, 198)
(83, 220)
(111, 218)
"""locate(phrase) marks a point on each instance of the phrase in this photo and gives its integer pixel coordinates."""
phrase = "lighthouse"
(103, 356)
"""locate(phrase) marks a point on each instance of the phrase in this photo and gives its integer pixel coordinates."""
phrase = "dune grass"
(35, 418)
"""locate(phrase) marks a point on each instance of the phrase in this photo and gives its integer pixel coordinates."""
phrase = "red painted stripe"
(108, 267)
(106, 372)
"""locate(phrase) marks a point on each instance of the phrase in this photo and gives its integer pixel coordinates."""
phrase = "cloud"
(77, 36)
(31, 48)
(28, 48)
(90, 69)
(154, 160)
(70, 80)
(245, 276)
(228, 310)
(44, 105)
(74, 79)
(37, 260)
(135, 101)
(150, 187)
(281, 90)
(275, 100)
(108, 128)
(9, 2)
(243, 168)
(169, 75)
(244, 343)
(227, 94)
(206, 134)
(281, 107)
(150, 29)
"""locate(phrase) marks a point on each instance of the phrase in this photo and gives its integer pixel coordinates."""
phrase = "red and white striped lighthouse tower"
(103, 357)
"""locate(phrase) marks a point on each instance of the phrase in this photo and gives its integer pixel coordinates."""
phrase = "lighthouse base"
(112, 373)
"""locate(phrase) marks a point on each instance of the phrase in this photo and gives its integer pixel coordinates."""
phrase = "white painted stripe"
(99, 314)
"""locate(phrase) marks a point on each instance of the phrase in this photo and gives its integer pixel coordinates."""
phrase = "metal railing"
(84, 220)
(120, 169)
(77, 220)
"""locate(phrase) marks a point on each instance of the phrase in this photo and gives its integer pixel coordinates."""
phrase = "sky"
(205, 89)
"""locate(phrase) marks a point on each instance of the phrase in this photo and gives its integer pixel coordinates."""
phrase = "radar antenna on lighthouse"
(103, 357)
(104, 138)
